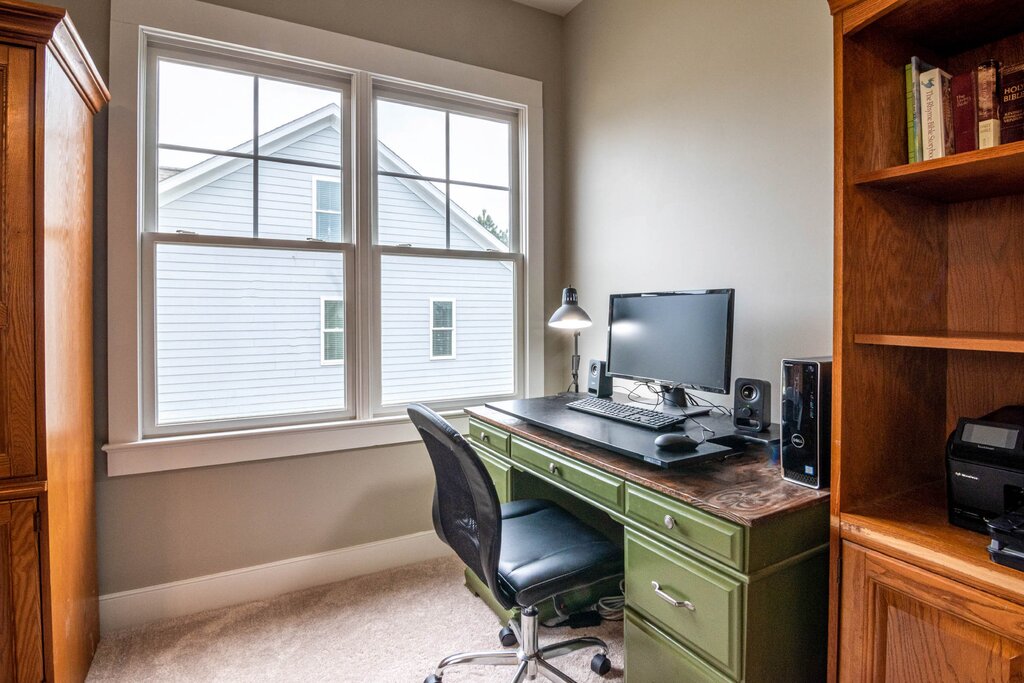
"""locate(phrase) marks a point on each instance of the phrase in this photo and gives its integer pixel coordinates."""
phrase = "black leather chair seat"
(546, 551)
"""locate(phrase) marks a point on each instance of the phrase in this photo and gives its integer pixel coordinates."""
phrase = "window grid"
(448, 182)
(255, 155)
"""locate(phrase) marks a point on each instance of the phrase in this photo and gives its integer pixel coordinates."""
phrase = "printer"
(985, 469)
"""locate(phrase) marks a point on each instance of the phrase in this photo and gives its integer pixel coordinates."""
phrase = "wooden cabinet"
(49, 93)
(906, 625)
(929, 271)
(21, 645)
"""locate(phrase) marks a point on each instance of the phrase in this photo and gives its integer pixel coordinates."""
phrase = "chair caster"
(507, 637)
(600, 665)
(432, 678)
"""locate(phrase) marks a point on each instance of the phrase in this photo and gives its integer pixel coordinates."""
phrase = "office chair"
(527, 551)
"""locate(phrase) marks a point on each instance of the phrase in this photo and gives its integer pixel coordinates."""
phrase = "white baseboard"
(142, 605)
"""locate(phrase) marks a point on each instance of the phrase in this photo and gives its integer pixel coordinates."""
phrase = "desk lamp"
(570, 316)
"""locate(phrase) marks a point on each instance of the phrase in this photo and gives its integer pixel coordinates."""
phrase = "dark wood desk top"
(746, 489)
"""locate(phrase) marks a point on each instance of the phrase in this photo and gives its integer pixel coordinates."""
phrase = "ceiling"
(559, 7)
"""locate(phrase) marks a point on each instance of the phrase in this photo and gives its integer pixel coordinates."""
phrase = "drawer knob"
(485, 437)
(553, 468)
(670, 523)
(670, 600)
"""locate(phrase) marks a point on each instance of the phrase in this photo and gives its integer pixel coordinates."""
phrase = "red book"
(965, 113)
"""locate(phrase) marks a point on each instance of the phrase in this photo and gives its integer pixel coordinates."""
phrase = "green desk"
(726, 563)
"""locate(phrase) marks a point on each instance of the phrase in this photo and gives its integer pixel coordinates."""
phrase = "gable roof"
(186, 181)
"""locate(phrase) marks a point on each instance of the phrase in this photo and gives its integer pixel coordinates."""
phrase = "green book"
(911, 113)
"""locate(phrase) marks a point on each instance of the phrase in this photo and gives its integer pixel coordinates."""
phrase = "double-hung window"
(447, 229)
(306, 234)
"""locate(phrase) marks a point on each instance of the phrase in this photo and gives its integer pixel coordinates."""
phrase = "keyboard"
(641, 417)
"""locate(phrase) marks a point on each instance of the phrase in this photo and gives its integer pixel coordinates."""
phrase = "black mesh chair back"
(467, 514)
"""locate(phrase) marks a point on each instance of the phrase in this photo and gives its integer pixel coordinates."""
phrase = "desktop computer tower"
(806, 434)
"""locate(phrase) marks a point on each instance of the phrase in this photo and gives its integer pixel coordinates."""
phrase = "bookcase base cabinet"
(902, 624)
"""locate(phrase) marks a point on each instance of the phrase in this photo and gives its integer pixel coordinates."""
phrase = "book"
(913, 76)
(987, 96)
(936, 114)
(908, 73)
(965, 112)
(1011, 106)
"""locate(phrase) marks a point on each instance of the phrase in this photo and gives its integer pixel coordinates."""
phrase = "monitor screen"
(673, 338)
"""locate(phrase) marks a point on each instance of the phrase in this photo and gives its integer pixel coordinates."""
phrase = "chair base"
(529, 659)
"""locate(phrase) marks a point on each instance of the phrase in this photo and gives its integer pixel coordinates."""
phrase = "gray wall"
(699, 154)
(171, 526)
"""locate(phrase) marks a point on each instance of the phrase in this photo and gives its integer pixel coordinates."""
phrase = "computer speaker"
(598, 382)
(752, 405)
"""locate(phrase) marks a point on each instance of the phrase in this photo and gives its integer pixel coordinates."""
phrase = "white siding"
(484, 339)
(238, 329)
(238, 332)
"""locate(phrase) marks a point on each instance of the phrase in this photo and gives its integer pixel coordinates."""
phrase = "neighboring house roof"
(175, 184)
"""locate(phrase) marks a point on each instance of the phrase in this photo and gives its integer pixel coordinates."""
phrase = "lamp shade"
(569, 315)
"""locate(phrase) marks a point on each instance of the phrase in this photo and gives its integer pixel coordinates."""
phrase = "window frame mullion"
(366, 373)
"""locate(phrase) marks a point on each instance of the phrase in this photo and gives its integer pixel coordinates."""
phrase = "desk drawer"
(586, 481)
(651, 655)
(492, 437)
(707, 613)
(686, 524)
(500, 469)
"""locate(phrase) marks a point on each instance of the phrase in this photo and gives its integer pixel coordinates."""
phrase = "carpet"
(390, 627)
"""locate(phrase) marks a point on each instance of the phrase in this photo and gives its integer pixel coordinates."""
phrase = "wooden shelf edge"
(954, 341)
(931, 178)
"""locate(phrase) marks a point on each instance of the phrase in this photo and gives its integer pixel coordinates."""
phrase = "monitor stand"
(676, 398)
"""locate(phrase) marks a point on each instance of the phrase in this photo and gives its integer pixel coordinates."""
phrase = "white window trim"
(128, 452)
(324, 330)
(313, 181)
(434, 328)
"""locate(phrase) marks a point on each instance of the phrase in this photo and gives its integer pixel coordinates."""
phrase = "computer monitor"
(680, 340)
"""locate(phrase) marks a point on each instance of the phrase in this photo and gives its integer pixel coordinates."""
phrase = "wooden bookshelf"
(913, 527)
(929, 276)
(954, 341)
(993, 172)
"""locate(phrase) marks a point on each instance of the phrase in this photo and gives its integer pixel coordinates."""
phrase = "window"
(326, 210)
(447, 229)
(442, 329)
(257, 185)
(236, 145)
(332, 331)
(231, 254)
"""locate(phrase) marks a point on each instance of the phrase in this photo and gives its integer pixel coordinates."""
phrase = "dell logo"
(797, 440)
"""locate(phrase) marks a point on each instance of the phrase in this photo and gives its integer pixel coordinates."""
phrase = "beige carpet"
(390, 627)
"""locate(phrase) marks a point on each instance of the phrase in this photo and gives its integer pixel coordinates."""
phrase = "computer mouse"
(676, 441)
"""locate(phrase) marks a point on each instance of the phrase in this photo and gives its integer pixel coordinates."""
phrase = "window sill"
(161, 454)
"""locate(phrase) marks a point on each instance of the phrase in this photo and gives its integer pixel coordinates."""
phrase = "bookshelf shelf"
(955, 341)
(914, 527)
(994, 172)
(938, 24)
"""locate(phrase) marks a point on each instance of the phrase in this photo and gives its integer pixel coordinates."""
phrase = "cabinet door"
(21, 636)
(17, 366)
(901, 624)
